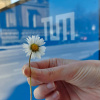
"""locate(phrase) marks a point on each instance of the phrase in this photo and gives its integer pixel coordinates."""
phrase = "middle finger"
(43, 90)
(34, 82)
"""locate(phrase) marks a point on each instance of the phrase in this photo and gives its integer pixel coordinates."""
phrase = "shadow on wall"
(95, 56)
(21, 92)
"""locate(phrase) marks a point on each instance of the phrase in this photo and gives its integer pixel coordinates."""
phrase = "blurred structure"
(69, 24)
(4, 3)
(22, 21)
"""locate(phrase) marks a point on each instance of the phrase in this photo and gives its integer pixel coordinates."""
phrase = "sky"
(12, 1)
(63, 6)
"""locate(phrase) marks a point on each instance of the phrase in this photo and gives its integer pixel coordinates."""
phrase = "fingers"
(26, 71)
(43, 64)
(40, 65)
(50, 74)
(34, 82)
(50, 63)
(54, 96)
(43, 90)
(64, 72)
(88, 75)
(46, 91)
(45, 75)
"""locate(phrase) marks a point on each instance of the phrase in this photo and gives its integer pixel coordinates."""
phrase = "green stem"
(30, 78)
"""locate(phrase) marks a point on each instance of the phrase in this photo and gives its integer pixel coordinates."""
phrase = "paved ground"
(13, 58)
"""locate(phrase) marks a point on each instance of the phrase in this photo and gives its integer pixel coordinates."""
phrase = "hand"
(61, 79)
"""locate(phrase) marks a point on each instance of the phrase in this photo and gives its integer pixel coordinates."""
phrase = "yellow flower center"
(34, 47)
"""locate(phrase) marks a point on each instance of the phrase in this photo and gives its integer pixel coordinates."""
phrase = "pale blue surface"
(13, 1)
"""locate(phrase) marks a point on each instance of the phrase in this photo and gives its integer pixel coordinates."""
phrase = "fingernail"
(28, 79)
(50, 85)
(23, 70)
(55, 95)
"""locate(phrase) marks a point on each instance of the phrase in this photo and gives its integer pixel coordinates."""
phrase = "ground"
(14, 85)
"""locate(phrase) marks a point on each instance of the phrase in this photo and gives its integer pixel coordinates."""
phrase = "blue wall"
(69, 27)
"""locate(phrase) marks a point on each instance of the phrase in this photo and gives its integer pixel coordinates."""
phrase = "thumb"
(48, 74)
(82, 73)
(64, 72)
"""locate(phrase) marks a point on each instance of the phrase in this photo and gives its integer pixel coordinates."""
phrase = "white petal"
(42, 53)
(38, 55)
(31, 41)
(27, 54)
(41, 42)
(42, 49)
(37, 37)
(33, 37)
(28, 39)
(25, 45)
(27, 49)
(37, 40)
(33, 55)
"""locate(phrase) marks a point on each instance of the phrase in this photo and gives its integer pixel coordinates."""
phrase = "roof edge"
(13, 5)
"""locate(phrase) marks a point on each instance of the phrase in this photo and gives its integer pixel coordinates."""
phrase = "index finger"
(49, 63)
(45, 64)
(40, 64)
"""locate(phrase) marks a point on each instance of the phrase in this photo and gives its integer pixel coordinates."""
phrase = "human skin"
(62, 79)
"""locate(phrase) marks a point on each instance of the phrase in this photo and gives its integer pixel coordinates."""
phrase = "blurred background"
(70, 29)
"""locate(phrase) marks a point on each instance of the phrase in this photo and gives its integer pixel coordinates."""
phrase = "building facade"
(22, 21)
(57, 24)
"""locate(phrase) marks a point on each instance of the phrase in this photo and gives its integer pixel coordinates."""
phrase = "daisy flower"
(34, 47)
